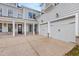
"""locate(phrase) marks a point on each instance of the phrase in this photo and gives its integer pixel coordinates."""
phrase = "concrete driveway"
(32, 45)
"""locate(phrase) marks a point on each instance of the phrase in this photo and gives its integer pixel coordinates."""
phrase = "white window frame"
(10, 13)
(32, 15)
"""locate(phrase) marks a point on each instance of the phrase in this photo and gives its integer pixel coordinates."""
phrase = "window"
(19, 15)
(30, 15)
(56, 4)
(0, 11)
(34, 16)
(10, 13)
(9, 27)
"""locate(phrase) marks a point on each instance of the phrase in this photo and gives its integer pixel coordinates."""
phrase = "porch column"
(25, 28)
(49, 29)
(33, 28)
(13, 27)
(77, 24)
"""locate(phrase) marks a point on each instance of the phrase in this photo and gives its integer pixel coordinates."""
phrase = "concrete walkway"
(32, 46)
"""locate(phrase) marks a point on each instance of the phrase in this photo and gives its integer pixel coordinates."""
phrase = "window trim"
(10, 12)
(56, 4)
(31, 15)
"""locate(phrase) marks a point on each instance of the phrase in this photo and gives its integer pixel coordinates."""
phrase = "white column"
(25, 28)
(39, 28)
(49, 29)
(13, 27)
(77, 24)
(33, 28)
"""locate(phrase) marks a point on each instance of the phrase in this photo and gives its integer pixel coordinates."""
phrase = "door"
(44, 29)
(64, 30)
(0, 27)
(19, 28)
(36, 29)
(30, 28)
(10, 27)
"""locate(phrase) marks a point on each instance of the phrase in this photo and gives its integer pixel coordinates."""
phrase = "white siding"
(63, 9)
(5, 10)
(27, 10)
(27, 28)
(4, 28)
(62, 30)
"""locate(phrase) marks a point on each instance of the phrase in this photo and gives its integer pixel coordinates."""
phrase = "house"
(56, 20)
(60, 21)
(15, 19)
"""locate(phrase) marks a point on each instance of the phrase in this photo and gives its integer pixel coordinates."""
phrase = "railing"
(17, 17)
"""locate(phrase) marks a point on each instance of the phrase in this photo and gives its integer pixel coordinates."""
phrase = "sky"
(35, 6)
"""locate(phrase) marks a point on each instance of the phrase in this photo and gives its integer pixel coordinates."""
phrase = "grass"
(73, 52)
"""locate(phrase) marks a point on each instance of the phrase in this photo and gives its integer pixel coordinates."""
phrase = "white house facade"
(17, 20)
(60, 21)
(56, 20)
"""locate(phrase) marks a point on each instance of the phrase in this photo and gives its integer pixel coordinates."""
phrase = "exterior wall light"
(57, 15)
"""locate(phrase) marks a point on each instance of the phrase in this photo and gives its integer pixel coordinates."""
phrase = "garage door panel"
(63, 30)
(44, 29)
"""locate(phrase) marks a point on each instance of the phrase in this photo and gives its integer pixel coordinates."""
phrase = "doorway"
(30, 27)
(36, 28)
(19, 28)
(10, 27)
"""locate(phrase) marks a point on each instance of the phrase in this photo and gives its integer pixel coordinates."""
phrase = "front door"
(36, 28)
(19, 28)
(9, 27)
(30, 27)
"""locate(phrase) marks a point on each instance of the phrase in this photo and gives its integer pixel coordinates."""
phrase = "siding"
(63, 29)
(63, 9)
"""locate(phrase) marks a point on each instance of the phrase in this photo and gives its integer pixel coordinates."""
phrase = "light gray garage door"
(64, 30)
(44, 29)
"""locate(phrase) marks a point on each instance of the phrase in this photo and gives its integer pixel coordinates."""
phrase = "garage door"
(64, 30)
(44, 29)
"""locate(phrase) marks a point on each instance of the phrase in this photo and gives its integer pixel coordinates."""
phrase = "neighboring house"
(60, 21)
(17, 20)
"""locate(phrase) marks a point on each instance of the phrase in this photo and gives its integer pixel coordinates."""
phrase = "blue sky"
(35, 6)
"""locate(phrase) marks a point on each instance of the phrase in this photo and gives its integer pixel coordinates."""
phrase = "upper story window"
(32, 15)
(56, 4)
(10, 13)
(0, 11)
(19, 15)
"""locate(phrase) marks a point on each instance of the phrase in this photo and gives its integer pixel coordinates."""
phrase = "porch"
(14, 26)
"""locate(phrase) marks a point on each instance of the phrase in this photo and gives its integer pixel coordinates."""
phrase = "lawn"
(73, 52)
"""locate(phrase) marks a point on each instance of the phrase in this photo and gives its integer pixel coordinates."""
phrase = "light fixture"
(57, 15)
